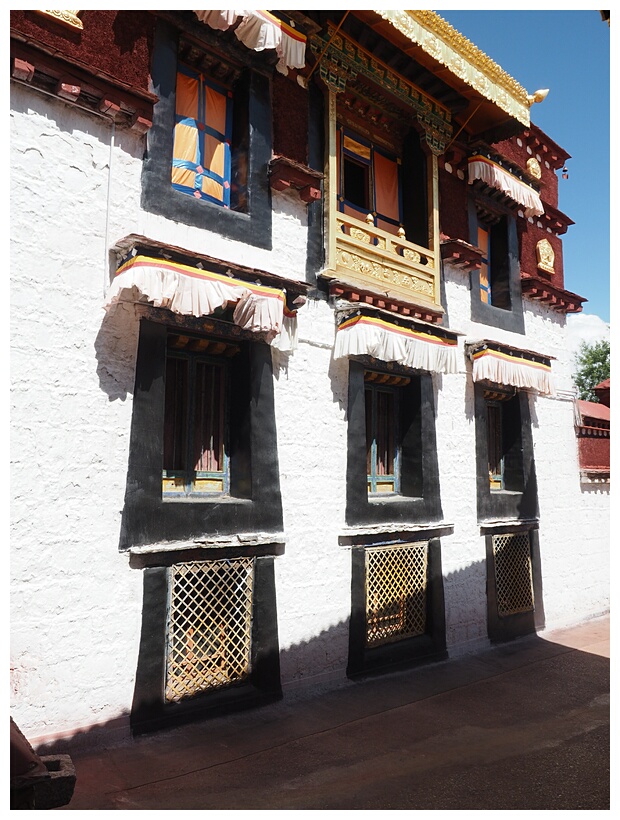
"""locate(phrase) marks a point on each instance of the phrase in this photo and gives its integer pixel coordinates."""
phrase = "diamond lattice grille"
(395, 592)
(209, 626)
(513, 573)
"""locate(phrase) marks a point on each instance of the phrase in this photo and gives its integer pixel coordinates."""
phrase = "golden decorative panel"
(386, 264)
(513, 573)
(68, 18)
(545, 256)
(396, 583)
(209, 626)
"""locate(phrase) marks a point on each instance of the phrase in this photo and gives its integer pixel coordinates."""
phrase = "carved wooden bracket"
(286, 173)
(460, 254)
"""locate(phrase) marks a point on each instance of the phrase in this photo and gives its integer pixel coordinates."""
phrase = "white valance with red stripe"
(481, 167)
(503, 365)
(417, 347)
(260, 30)
(192, 291)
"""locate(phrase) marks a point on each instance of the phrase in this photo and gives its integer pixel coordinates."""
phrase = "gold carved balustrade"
(369, 257)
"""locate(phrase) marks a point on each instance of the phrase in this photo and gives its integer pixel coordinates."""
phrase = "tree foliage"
(591, 368)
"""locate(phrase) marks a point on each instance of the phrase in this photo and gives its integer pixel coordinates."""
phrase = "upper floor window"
(494, 270)
(201, 155)
(496, 285)
(208, 151)
(369, 181)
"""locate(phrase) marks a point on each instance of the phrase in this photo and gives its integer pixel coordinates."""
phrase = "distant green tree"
(591, 368)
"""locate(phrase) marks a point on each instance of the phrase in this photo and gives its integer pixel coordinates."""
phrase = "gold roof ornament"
(466, 61)
(538, 96)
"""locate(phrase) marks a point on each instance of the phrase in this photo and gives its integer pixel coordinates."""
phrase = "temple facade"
(288, 362)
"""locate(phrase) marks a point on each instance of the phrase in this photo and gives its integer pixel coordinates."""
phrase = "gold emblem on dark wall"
(545, 256)
(533, 167)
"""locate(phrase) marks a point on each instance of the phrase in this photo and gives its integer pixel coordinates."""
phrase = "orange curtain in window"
(386, 186)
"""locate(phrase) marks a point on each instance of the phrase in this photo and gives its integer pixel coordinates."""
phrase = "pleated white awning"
(261, 30)
(481, 167)
(191, 291)
(504, 365)
(419, 348)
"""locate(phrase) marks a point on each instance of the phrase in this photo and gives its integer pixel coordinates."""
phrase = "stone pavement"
(524, 725)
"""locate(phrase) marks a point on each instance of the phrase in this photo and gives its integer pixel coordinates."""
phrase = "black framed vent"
(209, 626)
(512, 560)
(396, 581)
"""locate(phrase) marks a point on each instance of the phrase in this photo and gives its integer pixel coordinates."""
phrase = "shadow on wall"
(325, 653)
(116, 347)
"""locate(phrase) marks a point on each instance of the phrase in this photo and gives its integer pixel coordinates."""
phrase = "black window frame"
(518, 498)
(252, 226)
(254, 501)
(407, 651)
(507, 627)
(504, 266)
(419, 497)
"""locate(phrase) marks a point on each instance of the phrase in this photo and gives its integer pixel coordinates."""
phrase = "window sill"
(514, 524)
(391, 498)
(205, 499)
(250, 544)
(436, 527)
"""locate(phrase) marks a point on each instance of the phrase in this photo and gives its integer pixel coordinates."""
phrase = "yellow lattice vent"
(513, 573)
(396, 592)
(209, 626)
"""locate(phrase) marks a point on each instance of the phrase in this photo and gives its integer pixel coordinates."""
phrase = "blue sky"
(567, 52)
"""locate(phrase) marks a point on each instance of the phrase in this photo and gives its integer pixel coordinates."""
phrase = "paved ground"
(522, 726)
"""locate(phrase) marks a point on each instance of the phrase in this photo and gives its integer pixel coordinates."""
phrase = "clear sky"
(567, 52)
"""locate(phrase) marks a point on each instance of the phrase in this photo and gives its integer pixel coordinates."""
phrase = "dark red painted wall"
(290, 119)
(453, 205)
(117, 43)
(594, 452)
(530, 235)
(519, 155)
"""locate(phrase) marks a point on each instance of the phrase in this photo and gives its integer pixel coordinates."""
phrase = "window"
(513, 573)
(203, 455)
(382, 431)
(210, 145)
(494, 272)
(196, 450)
(496, 286)
(209, 637)
(209, 626)
(201, 154)
(369, 181)
(397, 604)
(391, 446)
(504, 444)
(494, 442)
(504, 453)
(514, 583)
(396, 586)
